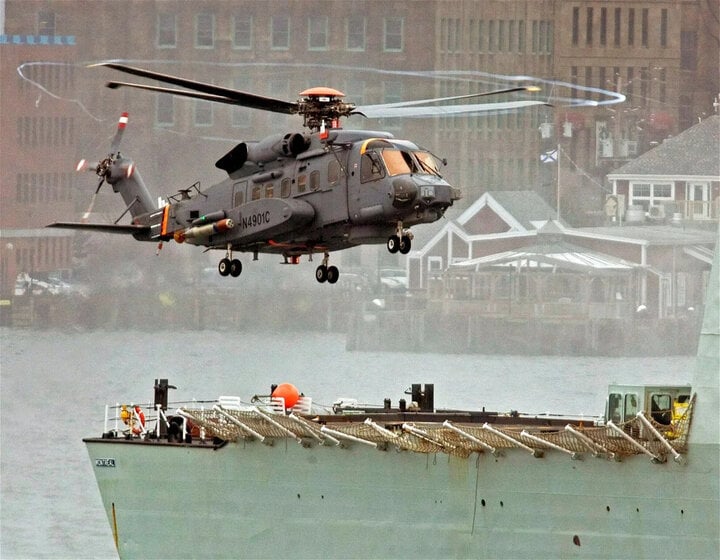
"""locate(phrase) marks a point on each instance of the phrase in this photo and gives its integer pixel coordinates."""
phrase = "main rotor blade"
(529, 89)
(122, 123)
(381, 111)
(171, 91)
(219, 93)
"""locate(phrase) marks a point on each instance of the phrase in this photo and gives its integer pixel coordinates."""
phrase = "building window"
(242, 32)
(651, 194)
(166, 31)
(317, 33)
(203, 111)
(165, 109)
(631, 27)
(603, 27)
(480, 42)
(355, 27)
(46, 22)
(644, 28)
(241, 116)
(618, 27)
(204, 31)
(280, 32)
(450, 34)
(589, 27)
(575, 26)
(663, 27)
(688, 50)
(393, 34)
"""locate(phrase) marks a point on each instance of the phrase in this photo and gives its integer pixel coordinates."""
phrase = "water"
(54, 385)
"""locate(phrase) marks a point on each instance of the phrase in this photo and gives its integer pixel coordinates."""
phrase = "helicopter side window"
(333, 172)
(238, 200)
(314, 180)
(269, 190)
(398, 162)
(370, 167)
(301, 183)
(285, 187)
(256, 192)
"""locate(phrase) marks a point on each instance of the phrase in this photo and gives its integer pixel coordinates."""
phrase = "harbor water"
(54, 385)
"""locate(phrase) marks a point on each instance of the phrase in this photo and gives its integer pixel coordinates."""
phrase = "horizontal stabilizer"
(107, 228)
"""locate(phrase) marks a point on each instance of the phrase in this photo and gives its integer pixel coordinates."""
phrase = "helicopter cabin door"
(322, 181)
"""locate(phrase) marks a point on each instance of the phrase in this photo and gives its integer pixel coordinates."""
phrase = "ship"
(279, 477)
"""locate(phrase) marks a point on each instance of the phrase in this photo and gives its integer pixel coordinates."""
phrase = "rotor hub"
(322, 105)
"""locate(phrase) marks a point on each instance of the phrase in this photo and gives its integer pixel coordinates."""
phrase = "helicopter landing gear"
(325, 273)
(229, 266)
(401, 241)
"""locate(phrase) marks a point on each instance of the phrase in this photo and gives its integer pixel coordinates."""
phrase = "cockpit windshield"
(428, 163)
(400, 162)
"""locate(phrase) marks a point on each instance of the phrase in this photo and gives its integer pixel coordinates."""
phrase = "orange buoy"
(289, 392)
(140, 426)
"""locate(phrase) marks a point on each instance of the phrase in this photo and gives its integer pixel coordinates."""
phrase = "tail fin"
(126, 180)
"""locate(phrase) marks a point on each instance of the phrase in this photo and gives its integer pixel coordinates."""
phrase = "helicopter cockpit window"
(398, 162)
(371, 168)
(427, 163)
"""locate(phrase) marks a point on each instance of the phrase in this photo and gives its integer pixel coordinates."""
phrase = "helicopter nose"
(409, 191)
(404, 192)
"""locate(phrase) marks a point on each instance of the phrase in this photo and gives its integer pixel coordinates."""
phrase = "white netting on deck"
(460, 439)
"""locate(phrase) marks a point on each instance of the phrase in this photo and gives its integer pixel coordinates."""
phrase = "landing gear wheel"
(224, 267)
(332, 274)
(405, 244)
(235, 268)
(393, 244)
(321, 273)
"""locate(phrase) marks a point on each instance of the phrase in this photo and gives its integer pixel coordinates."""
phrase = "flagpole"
(558, 180)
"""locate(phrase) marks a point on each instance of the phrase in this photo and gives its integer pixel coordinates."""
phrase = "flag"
(549, 157)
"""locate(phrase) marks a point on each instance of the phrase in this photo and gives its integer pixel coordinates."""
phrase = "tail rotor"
(103, 168)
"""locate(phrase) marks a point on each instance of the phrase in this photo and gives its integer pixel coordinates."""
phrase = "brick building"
(374, 51)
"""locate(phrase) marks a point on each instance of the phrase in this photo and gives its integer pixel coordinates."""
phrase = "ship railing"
(231, 419)
(144, 418)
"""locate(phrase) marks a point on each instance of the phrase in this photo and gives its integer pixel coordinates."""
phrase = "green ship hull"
(280, 495)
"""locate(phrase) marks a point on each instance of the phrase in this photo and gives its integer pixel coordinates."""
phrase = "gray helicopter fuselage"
(299, 193)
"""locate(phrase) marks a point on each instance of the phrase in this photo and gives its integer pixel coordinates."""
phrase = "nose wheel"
(400, 241)
(229, 266)
(325, 273)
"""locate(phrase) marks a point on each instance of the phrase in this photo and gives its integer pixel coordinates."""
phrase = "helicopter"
(295, 193)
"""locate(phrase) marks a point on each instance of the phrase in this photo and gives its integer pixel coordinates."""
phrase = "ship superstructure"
(229, 478)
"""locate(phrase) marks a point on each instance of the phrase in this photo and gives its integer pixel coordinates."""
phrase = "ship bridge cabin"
(662, 404)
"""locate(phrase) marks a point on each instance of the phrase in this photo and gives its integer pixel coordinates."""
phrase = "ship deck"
(455, 432)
